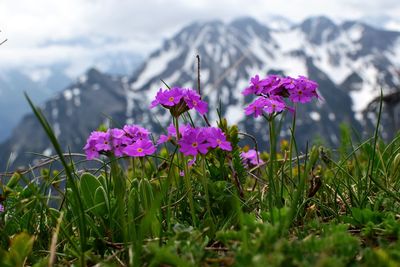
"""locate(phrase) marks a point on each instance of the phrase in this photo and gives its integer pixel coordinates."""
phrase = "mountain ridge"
(339, 59)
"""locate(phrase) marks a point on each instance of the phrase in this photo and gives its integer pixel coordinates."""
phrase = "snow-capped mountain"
(42, 82)
(350, 61)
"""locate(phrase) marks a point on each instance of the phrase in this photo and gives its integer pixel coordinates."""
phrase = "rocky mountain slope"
(350, 61)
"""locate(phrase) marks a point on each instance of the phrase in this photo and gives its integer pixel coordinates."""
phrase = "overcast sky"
(42, 31)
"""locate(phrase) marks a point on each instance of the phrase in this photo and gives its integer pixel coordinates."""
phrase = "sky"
(41, 32)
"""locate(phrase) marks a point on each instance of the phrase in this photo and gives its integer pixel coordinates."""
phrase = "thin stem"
(272, 156)
(204, 180)
(185, 175)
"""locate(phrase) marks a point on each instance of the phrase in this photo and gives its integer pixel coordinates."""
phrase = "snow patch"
(47, 152)
(82, 79)
(68, 94)
(54, 113)
(234, 114)
(57, 129)
(315, 116)
(155, 66)
(355, 33)
(95, 87)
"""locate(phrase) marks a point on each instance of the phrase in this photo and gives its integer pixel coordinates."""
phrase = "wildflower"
(274, 89)
(136, 132)
(194, 141)
(179, 100)
(168, 98)
(117, 141)
(90, 148)
(103, 141)
(193, 100)
(192, 161)
(216, 137)
(171, 129)
(274, 105)
(256, 86)
(1, 208)
(250, 158)
(304, 90)
(140, 148)
(256, 108)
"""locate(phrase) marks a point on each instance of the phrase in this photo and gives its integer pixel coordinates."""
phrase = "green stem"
(272, 157)
(120, 192)
(204, 180)
(186, 175)
(291, 144)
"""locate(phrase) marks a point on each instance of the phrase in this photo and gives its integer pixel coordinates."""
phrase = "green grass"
(318, 207)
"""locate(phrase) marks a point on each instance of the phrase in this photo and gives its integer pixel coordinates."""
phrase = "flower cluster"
(273, 89)
(1, 208)
(193, 141)
(179, 100)
(250, 158)
(132, 141)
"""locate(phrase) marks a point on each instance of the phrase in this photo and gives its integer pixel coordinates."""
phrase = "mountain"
(40, 83)
(43, 81)
(350, 61)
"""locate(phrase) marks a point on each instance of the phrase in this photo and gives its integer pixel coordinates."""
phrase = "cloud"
(143, 24)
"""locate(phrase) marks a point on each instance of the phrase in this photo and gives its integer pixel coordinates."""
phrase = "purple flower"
(192, 161)
(257, 86)
(116, 141)
(194, 141)
(103, 142)
(140, 148)
(168, 98)
(256, 108)
(136, 132)
(274, 105)
(288, 83)
(193, 100)
(163, 139)
(179, 100)
(274, 88)
(216, 137)
(1, 208)
(250, 158)
(90, 148)
(171, 129)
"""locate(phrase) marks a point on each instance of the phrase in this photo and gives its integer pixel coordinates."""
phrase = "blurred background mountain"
(352, 60)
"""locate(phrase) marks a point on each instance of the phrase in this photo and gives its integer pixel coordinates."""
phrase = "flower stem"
(205, 185)
(185, 175)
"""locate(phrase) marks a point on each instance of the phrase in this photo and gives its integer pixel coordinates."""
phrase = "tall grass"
(300, 208)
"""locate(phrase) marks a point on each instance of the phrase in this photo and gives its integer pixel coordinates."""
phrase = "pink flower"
(193, 100)
(250, 158)
(274, 105)
(193, 142)
(217, 138)
(179, 100)
(257, 86)
(116, 141)
(274, 88)
(140, 148)
(256, 108)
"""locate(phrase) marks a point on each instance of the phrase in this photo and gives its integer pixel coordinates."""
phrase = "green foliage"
(318, 207)
(20, 248)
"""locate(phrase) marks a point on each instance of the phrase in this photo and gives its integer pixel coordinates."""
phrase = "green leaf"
(14, 180)
(88, 187)
(21, 247)
(101, 203)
